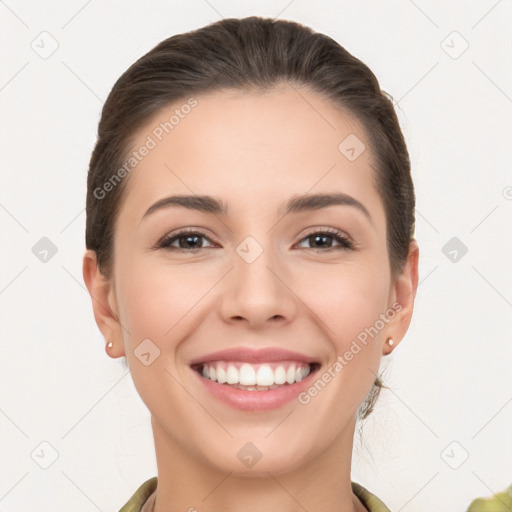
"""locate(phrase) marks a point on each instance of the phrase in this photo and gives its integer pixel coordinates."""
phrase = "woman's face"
(284, 290)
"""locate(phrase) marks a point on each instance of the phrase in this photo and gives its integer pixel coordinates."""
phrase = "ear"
(104, 304)
(403, 294)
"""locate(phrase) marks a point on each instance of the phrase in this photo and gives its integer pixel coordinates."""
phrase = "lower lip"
(256, 400)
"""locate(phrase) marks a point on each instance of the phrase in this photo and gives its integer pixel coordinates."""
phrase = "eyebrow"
(299, 203)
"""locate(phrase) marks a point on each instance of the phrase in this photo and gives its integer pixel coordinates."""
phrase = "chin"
(245, 459)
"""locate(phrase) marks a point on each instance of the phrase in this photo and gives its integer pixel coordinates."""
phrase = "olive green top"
(500, 502)
(144, 495)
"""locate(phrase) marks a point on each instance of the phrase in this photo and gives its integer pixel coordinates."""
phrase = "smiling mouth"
(255, 377)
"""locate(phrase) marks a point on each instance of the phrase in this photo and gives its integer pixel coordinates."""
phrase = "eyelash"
(346, 243)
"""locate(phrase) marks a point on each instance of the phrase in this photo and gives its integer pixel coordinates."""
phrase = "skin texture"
(254, 151)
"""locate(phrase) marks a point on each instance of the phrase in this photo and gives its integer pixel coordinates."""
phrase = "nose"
(259, 293)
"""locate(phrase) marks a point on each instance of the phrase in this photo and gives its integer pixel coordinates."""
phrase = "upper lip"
(252, 355)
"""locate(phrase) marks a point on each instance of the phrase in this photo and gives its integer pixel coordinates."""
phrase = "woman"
(251, 252)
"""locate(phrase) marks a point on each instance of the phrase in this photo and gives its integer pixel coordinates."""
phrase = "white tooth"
(221, 375)
(247, 375)
(265, 376)
(232, 375)
(290, 374)
(279, 375)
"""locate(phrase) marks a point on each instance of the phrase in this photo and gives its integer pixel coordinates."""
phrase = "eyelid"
(326, 229)
(347, 243)
(179, 233)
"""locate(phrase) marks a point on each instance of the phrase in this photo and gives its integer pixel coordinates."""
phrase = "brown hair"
(249, 53)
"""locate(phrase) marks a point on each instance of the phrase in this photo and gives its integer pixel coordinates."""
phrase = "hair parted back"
(251, 53)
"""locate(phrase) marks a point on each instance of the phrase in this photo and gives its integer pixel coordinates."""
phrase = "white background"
(451, 376)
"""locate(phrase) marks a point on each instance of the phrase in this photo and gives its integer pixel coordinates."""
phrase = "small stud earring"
(110, 344)
(390, 342)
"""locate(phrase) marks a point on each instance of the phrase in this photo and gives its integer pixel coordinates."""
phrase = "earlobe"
(103, 303)
(388, 346)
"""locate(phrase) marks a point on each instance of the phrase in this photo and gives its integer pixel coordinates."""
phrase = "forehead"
(251, 148)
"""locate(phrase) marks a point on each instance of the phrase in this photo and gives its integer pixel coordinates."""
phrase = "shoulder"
(136, 502)
(499, 502)
(369, 500)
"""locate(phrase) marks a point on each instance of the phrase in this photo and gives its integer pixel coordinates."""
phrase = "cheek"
(350, 302)
(156, 296)
(347, 298)
(157, 303)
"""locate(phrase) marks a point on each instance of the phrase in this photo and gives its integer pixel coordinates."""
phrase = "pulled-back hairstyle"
(249, 54)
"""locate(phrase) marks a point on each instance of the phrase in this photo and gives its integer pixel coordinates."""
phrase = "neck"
(186, 483)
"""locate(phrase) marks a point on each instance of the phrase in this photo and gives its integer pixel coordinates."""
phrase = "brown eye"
(187, 241)
(323, 241)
